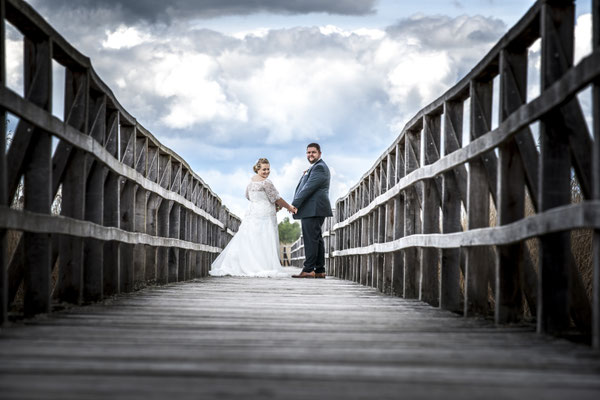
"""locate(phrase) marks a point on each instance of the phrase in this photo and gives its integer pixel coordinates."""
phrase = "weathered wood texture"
(499, 170)
(111, 176)
(596, 182)
(248, 338)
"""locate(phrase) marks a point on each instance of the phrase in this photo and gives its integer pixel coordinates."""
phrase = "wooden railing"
(131, 210)
(401, 228)
(297, 251)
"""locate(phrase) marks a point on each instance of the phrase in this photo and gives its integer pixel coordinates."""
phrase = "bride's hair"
(260, 161)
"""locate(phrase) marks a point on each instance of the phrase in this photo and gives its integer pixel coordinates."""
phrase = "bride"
(254, 249)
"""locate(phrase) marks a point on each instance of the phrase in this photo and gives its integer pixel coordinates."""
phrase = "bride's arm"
(282, 203)
(274, 197)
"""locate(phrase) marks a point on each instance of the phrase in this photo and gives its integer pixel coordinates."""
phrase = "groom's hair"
(315, 145)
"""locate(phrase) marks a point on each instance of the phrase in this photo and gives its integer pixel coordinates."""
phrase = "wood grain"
(283, 338)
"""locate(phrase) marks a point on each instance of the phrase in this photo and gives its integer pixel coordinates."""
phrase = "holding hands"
(291, 209)
(280, 203)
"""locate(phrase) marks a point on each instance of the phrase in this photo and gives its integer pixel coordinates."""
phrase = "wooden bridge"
(434, 232)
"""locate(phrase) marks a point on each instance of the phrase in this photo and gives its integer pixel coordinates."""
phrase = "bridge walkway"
(283, 338)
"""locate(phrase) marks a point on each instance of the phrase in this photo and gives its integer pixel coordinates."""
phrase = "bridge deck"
(283, 338)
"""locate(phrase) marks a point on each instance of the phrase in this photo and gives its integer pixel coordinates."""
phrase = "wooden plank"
(112, 133)
(112, 216)
(511, 189)
(388, 259)
(127, 222)
(364, 242)
(151, 270)
(478, 214)
(76, 98)
(183, 254)
(412, 223)
(97, 120)
(141, 154)
(230, 337)
(450, 294)
(93, 249)
(596, 184)
(584, 215)
(430, 257)
(555, 168)
(398, 257)
(399, 208)
(3, 186)
(69, 286)
(128, 134)
(174, 230)
(38, 178)
(75, 115)
(381, 225)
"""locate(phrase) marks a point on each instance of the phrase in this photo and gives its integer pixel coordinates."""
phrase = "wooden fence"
(452, 229)
(132, 211)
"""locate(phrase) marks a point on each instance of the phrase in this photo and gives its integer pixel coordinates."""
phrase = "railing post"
(430, 257)
(364, 229)
(174, 219)
(398, 256)
(555, 173)
(38, 178)
(195, 255)
(154, 202)
(69, 286)
(112, 258)
(162, 270)
(511, 188)
(381, 223)
(478, 214)
(450, 296)
(93, 249)
(596, 183)
(139, 250)
(127, 222)
(412, 219)
(388, 258)
(370, 231)
(3, 188)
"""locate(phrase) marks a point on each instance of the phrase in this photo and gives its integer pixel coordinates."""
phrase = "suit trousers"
(314, 246)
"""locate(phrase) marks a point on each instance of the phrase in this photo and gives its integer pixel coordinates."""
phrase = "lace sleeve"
(247, 194)
(272, 193)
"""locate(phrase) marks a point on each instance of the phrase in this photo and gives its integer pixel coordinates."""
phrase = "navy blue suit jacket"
(312, 193)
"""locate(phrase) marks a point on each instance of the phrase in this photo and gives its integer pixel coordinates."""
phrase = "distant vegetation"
(288, 232)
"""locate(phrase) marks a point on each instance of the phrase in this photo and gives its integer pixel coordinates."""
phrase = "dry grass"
(581, 247)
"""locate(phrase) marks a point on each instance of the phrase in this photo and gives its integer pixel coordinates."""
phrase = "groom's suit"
(312, 201)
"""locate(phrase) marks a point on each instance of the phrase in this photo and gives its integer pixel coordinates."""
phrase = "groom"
(312, 201)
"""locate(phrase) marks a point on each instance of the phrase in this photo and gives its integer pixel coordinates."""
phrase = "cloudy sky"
(224, 82)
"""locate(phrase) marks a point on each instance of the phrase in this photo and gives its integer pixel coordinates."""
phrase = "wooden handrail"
(132, 210)
(400, 229)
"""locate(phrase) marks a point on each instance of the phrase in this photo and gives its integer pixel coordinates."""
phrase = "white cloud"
(124, 37)
(583, 37)
(257, 32)
(217, 98)
(335, 30)
(299, 97)
(14, 65)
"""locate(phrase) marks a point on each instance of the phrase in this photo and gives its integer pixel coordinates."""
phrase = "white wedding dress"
(254, 249)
